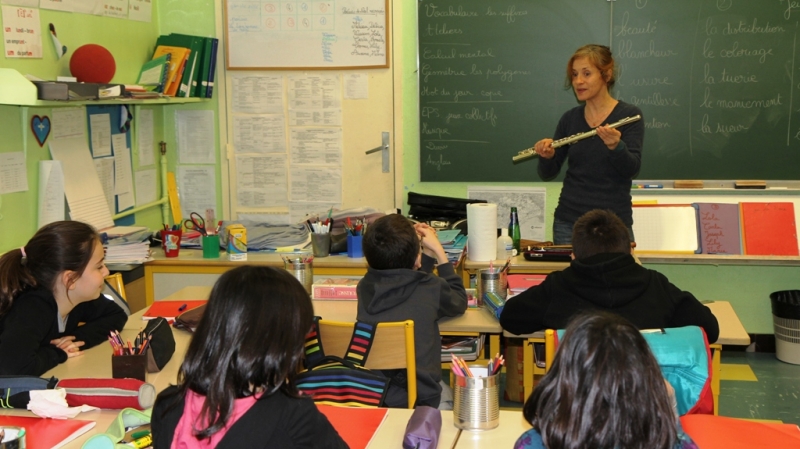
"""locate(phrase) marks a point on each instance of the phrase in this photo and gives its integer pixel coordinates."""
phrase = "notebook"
(518, 283)
(769, 229)
(719, 228)
(355, 425)
(47, 433)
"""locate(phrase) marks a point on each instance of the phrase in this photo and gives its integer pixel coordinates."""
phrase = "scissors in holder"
(195, 222)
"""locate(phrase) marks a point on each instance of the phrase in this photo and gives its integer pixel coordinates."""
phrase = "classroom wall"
(131, 43)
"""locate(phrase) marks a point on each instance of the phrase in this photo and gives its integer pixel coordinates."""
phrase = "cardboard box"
(237, 242)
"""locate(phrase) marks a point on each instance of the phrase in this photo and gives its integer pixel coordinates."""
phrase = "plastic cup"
(210, 245)
(321, 244)
(354, 246)
(171, 242)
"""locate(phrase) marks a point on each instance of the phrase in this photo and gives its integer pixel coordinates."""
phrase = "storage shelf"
(16, 90)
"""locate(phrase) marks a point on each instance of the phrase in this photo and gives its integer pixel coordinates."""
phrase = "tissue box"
(237, 242)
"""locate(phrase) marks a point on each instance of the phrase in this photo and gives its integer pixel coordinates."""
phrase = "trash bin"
(786, 318)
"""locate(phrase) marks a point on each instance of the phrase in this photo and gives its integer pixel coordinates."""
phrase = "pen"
(182, 308)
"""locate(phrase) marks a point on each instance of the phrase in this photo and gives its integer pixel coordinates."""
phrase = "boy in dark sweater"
(604, 275)
(399, 285)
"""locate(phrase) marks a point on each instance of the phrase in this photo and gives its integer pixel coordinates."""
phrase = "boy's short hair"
(391, 242)
(599, 231)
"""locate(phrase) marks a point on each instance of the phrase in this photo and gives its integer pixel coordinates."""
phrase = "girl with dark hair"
(47, 287)
(236, 387)
(604, 390)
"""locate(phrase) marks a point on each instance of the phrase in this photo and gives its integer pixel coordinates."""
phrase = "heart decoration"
(41, 128)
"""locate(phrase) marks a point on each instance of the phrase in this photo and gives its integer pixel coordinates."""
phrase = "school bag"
(344, 381)
(685, 360)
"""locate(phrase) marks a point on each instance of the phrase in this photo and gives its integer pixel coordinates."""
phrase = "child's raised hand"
(430, 242)
(68, 345)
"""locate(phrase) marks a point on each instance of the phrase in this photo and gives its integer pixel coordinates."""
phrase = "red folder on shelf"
(518, 283)
(769, 229)
(355, 425)
(47, 433)
(171, 309)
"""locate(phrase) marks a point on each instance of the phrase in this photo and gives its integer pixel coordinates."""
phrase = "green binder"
(191, 69)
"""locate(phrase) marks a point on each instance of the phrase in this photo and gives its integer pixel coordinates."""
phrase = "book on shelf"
(154, 73)
(47, 433)
(191, 69)
(176, 63)
(335, 288)
(205, 68)
(468, 348)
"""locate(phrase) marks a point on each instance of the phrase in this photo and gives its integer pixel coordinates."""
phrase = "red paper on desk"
(355, 425)
(171, 309)
(518, 283)
(719, 432)
(47, 433)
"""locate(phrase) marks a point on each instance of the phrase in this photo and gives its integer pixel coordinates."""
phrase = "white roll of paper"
(482, 234)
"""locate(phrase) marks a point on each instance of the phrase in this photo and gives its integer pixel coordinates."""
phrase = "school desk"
(472, 323)
(731, 332)
(163, 275)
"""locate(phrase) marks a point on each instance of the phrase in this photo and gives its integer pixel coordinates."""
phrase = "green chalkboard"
(718, 82)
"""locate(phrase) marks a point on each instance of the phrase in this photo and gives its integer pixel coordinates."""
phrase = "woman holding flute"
(600, 167)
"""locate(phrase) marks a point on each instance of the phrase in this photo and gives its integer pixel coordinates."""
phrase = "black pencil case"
(162, 344)
(548, 255)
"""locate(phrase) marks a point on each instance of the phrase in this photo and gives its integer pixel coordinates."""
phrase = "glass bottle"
(505, 245)
(514, 230)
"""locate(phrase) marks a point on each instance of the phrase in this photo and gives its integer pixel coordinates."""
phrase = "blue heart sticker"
(41, 128)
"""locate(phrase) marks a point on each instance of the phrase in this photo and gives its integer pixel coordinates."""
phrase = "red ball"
(92, 63)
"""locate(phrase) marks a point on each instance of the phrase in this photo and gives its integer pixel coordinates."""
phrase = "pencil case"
(161, 346)
(116, 431)
(109, 393)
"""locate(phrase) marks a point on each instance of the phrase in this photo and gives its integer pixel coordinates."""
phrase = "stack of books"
(453, 242)
(182, 66)
(131, 247)
(518, 283)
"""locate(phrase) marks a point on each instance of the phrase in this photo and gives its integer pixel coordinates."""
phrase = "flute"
(529, 152)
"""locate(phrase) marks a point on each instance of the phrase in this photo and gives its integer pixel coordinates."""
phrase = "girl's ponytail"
(14, 277)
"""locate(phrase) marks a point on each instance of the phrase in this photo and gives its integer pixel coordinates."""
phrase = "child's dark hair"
(55, 248)
(250, 340)
(605, 389)
(599, 231)
(391, 242)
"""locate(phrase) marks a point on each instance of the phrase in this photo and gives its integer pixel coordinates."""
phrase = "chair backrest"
(392, 348)
(684, 357)
(115, 288)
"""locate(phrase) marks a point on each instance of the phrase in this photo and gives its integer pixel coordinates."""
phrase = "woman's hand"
(544, 148)
(68, 345)
(609, 135)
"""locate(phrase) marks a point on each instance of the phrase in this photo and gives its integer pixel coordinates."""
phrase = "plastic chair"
(392, 348)
(115, 289)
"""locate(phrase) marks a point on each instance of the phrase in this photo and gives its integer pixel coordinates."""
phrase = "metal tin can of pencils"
(12, 437)
(301, 267)
(493, 280)
(476, 400)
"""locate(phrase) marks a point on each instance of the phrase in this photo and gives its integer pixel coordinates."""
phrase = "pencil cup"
(171, 242)
(492, 280)
(354, 246)
(476, 400)
(321, 244)
(129, 366)
(210, 246)
(303, 271)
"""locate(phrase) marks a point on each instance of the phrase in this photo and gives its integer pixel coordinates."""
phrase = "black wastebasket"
(786, 319)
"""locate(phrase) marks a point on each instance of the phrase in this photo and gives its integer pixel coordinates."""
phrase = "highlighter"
(142, 442)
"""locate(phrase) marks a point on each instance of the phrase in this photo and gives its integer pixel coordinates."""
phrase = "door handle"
(384, 149)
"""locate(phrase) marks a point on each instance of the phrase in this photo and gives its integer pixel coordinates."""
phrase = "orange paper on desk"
(170, 309)
(355, 425)
(769, 229)
(47, 433)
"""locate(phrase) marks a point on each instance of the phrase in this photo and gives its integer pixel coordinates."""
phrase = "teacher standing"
(600, 168)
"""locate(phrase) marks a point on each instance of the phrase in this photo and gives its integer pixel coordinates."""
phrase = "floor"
(754, 385)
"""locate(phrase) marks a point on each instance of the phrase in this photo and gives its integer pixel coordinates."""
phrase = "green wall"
(131, 43)
(746, 287)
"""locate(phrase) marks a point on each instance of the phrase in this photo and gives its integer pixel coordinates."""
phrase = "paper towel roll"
(482, 236)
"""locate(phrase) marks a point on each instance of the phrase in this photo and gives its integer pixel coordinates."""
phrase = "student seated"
(47, 288)
(604, 275)
(399, 285)
(236, 387)
(604, 390)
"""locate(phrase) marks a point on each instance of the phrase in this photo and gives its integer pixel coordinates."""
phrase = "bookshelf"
(16, 90)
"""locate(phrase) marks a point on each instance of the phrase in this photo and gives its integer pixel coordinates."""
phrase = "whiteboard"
(310, 34)
(666, 228)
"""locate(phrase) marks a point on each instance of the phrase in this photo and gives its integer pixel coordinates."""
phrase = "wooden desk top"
(474, 320)
(194, 257)
(731, 331)
(520, 265)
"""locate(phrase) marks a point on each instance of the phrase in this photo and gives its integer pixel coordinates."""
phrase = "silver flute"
(530, 153)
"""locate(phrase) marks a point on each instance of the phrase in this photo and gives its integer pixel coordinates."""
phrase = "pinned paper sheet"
(51, 192)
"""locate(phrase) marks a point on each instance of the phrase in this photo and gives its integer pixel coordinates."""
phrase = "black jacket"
(26, 330)
(417, 295)
(275, 421)
(610, 282)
